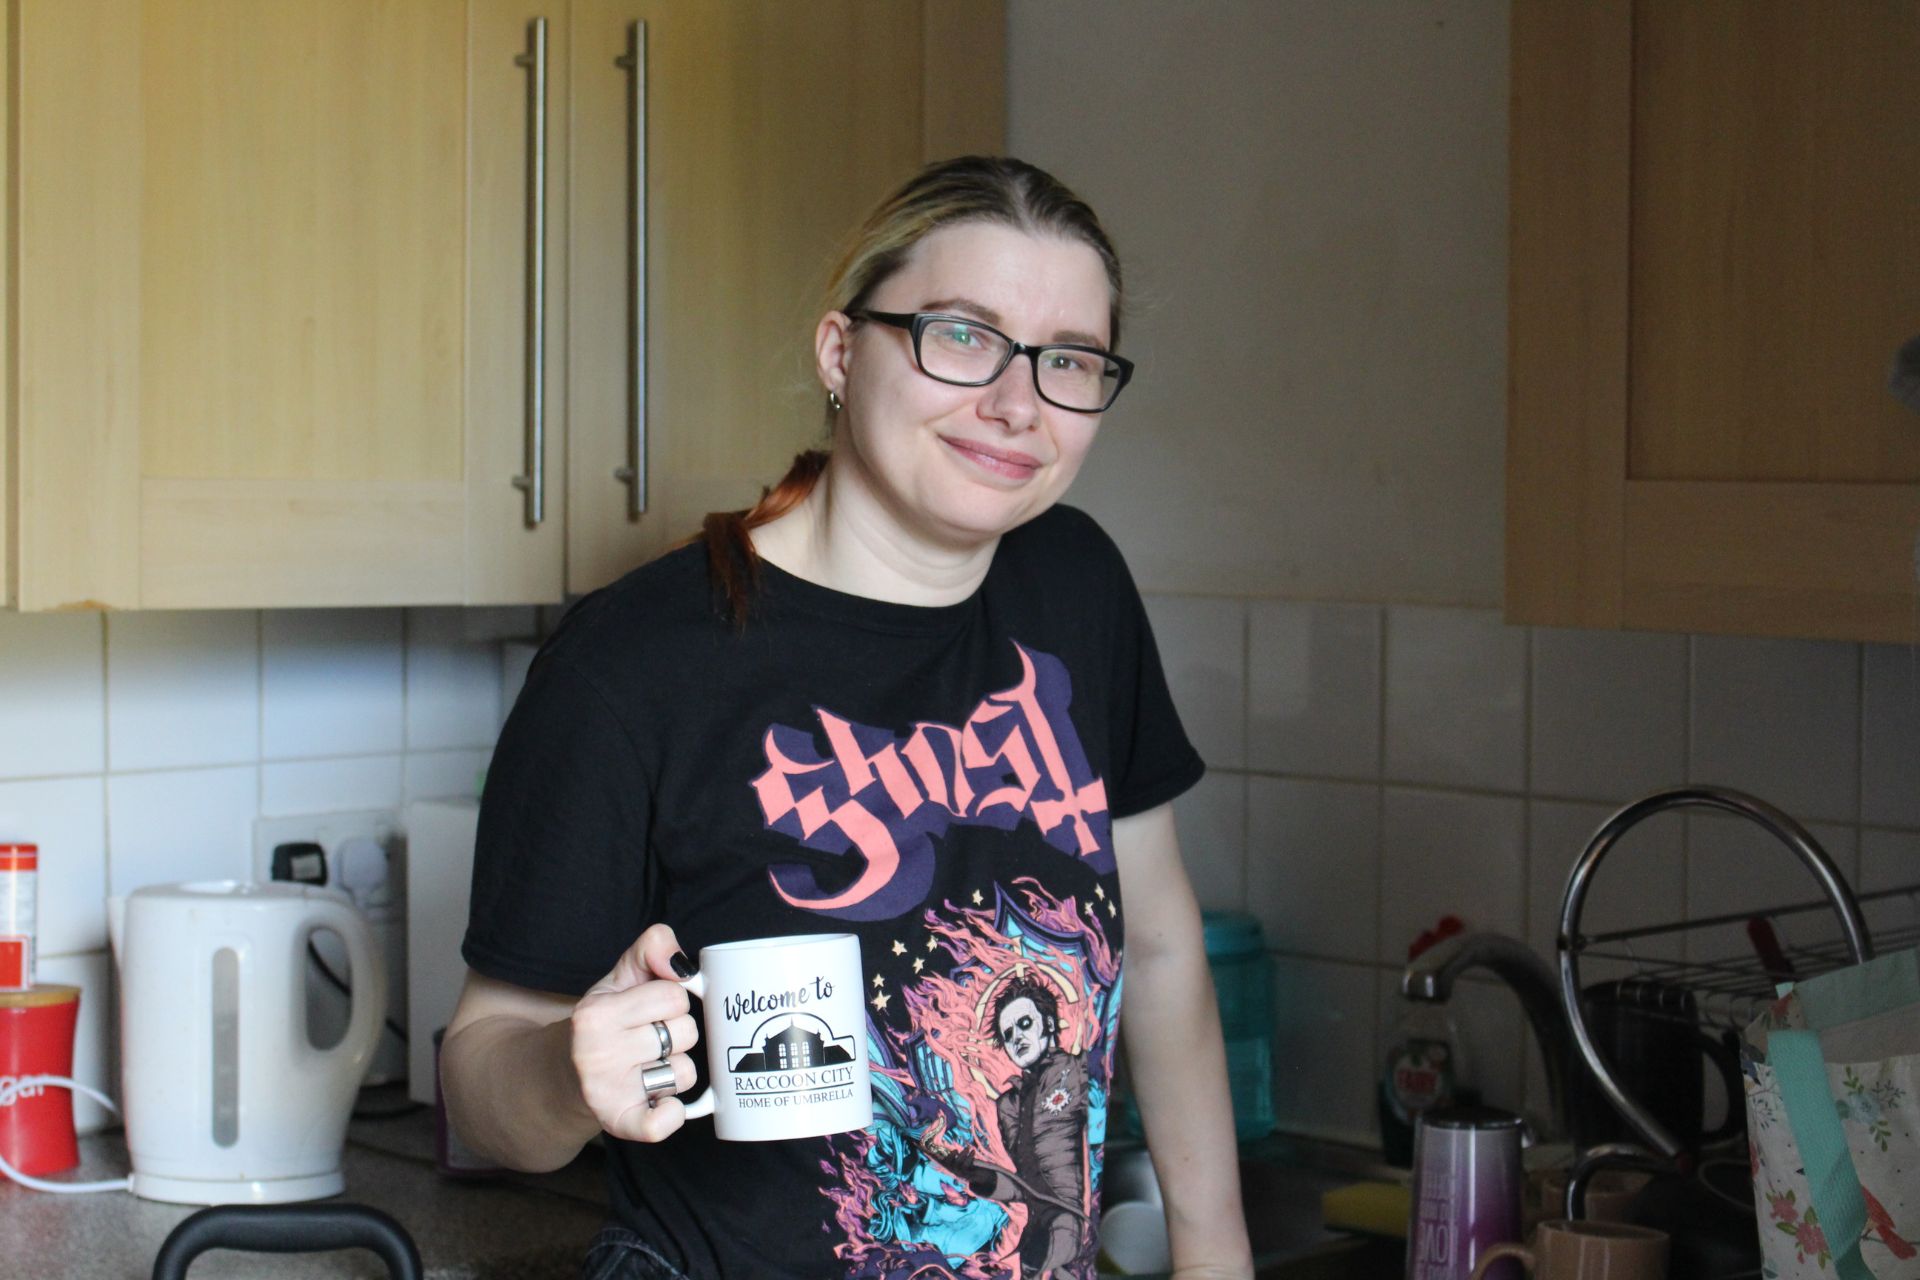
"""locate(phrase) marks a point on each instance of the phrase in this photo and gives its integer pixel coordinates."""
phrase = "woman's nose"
(1011, 398)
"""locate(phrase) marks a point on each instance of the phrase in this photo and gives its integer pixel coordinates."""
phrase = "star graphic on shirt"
(1112, 910)
(899, 947)
(880, 1001)
(1087, 907)
(879, 981)
(1098, 892)
(977, 899)
(919, 965)
(932, 942)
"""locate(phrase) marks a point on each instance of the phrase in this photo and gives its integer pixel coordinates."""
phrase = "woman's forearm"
(512, 1093)
(1179, 1070)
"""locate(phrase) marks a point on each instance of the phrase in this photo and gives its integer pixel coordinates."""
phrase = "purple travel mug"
(1466, 1192)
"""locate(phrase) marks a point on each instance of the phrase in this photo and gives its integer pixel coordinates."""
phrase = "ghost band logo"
(879, 800)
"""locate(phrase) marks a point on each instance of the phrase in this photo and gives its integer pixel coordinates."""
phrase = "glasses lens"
(960, 352)
(1075, 379)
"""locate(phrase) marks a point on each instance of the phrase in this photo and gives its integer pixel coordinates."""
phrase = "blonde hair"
(995, 189)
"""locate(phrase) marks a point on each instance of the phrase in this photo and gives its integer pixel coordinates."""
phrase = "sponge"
(1375, 1208)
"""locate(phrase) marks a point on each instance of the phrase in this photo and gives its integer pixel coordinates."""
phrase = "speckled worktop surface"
(515, 1227)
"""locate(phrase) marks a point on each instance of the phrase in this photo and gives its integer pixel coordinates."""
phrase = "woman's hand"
(614, 1040)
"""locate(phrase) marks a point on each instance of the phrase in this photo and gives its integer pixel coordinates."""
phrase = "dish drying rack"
(1719, 994)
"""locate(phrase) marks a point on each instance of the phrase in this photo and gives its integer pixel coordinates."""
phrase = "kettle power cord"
(10, 1090)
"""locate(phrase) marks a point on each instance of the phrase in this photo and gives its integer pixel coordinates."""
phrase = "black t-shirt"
(940, 781)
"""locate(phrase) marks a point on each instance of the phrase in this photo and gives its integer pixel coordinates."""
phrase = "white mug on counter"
(786, 1030)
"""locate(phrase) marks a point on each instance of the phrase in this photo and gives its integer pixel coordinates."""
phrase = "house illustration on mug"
(793, 1047)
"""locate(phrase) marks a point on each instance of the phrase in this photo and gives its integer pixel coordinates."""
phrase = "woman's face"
(959, 466)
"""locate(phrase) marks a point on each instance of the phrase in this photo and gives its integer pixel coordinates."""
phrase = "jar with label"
(1423, 1069)
(19, 872)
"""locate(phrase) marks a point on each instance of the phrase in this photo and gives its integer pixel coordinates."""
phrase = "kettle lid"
(235, 891)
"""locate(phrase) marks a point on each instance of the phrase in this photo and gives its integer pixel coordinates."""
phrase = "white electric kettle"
(226, 1100)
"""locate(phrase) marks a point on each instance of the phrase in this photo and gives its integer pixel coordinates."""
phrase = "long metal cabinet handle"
(634, 473)
(534, 481)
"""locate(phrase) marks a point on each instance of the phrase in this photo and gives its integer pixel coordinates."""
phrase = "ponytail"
(732, 564)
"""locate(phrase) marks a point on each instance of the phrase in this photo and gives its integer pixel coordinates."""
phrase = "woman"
(909, 697)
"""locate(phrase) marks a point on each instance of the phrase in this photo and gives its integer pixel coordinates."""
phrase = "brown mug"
(1564, 1250)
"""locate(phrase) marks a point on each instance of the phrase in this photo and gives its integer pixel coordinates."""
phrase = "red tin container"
(36, 1038)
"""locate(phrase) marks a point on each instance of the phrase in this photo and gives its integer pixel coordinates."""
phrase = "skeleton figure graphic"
(1043, 1126)
(990, 1106)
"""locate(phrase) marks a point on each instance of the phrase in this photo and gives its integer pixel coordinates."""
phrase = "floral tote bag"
(1833, 1116)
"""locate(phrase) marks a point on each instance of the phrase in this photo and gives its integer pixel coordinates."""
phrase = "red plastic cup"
(36, 1039)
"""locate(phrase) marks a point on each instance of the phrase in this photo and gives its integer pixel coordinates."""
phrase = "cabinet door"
(769, 131)
(1714, 258)
(245, 288)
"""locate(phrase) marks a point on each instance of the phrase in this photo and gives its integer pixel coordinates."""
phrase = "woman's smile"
(1006, 464)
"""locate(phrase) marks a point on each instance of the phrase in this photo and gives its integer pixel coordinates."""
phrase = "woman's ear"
(833, 351)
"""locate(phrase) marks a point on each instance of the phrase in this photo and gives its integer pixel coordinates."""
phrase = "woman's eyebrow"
(962, 304)
(992, 317)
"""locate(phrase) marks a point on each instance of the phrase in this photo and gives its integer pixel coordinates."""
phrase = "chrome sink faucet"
(1430, 976)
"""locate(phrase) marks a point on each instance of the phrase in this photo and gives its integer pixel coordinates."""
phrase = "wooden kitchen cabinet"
(1714, 256)
(770, 129)
(271, 278)
(270, 294)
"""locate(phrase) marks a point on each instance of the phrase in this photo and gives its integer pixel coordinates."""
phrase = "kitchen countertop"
(512, 1227)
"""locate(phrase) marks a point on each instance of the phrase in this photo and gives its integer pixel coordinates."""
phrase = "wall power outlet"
(365, 853)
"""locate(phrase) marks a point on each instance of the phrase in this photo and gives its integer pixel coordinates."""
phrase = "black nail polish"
(682, 967)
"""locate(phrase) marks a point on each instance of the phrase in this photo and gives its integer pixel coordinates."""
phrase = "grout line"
(1380, 800)
(106, 758)
(1686, 821)
(1860, 741)
(260, 710)
(1246, 753)
(406, 681)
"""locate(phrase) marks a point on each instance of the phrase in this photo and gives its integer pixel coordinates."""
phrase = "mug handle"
(1498, 1252)
(1725, 1057)
(702, 1105)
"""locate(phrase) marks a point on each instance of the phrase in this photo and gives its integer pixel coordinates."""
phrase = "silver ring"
(666, 1041)
(659, 1081)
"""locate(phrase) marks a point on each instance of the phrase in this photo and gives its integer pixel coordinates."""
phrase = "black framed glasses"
(968, 353)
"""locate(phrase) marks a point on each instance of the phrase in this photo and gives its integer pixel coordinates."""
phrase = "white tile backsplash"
(1323, 1048)
(1891, 860)
(453, 684)
(1313, 696)
(1455, 698)
(330, 786)
(1734, 865)
(1641, 880)
(1780, 719)
(1202, 643)
(1890, 736)
(1211, 819)
(1609, 711)
(52, 695)
(331, 682)
(67, 818)
(184, 824)
(1449, 853)
(1313, 866)
(183, 688)
(435, 775)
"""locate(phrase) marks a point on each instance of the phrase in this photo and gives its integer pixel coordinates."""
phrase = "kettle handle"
(287, 1228)
(369, 1008)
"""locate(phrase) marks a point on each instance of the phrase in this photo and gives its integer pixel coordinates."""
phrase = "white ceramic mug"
(786, 1030)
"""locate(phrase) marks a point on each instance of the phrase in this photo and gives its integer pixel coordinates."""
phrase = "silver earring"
(834, 404)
